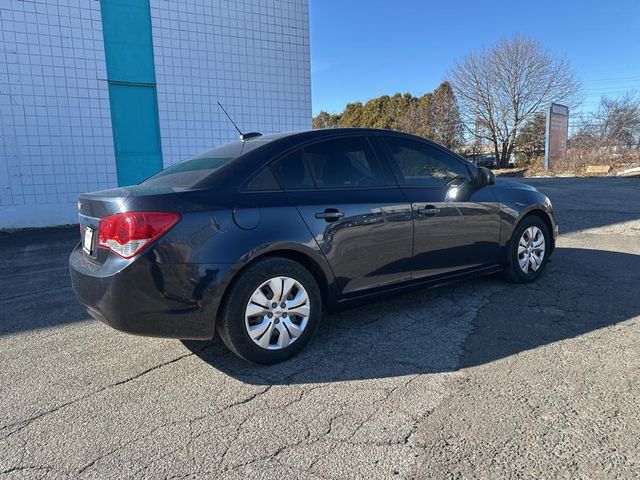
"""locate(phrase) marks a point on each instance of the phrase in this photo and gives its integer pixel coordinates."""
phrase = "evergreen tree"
(434, 115)
(326, 120)
(531, 138)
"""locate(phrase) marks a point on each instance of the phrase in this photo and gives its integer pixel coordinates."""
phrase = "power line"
(611, 79)
(630, 89)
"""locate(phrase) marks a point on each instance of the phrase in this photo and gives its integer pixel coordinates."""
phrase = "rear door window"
(346, 162)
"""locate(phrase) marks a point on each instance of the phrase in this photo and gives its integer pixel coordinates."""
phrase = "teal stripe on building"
(126, 26)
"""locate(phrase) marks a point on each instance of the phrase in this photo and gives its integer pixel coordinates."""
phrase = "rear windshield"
(188, 172)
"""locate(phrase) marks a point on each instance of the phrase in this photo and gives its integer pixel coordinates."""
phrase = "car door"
(456, 224)
(358, 216)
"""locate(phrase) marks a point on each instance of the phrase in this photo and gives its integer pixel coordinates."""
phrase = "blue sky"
(365, 48)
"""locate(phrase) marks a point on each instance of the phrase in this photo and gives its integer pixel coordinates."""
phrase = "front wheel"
(270, 311)
(528, 250)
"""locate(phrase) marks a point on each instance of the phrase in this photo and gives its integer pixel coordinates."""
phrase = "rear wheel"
(528, 250)
(270, 311)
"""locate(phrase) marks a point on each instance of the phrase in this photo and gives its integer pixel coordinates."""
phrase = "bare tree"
(501, 88)
(616, 122)
(612, 127)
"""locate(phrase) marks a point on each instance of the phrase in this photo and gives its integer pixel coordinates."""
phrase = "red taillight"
(127, 234)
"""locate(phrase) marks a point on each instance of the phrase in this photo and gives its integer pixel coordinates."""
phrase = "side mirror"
(485, 177)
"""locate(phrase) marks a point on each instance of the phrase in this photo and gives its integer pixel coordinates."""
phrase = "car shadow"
(454, 327)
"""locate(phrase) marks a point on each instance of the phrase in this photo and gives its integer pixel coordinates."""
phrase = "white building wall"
(251, 55)
(55, 123)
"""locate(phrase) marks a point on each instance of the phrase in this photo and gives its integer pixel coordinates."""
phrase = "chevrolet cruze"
(256, 239)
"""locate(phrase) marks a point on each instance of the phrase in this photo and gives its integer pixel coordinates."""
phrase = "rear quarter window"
(264, 181)
(293, 172)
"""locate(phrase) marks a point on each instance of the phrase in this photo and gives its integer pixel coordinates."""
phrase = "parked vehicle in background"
(257, 238)
(488, 161)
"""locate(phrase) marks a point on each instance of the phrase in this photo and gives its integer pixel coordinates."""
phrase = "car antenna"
(243, 136)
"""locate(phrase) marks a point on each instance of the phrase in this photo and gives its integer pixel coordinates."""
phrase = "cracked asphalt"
(478, 380)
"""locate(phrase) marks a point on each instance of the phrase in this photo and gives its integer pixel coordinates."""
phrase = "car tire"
(235, 323)
(522, 246)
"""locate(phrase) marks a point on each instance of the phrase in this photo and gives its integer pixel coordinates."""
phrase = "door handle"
(428, 210)
(330, 215)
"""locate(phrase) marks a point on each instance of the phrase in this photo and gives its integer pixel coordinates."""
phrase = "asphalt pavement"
(482, 379)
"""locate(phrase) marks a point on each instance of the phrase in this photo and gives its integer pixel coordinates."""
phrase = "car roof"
(275, 144)
(316, 133)
(298, 136)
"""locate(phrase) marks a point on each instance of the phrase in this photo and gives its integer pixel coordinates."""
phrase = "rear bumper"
(143, 297)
